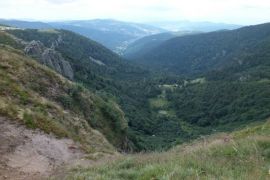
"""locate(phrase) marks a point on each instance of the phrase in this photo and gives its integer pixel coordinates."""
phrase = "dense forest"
(204, 52)
(143, 45)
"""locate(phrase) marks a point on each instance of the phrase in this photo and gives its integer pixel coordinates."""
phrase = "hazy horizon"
(241, 12)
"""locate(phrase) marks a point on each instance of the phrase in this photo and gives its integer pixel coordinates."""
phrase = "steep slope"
(79, 51)
(40, 98)
(242, 154)
(96, 67)
(204, 52)
(32, 154)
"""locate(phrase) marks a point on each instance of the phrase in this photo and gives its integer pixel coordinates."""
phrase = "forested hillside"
(209, 51)
(219, 81)
(145, 44)
(148, 43)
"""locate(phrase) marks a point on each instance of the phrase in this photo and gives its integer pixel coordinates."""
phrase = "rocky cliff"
(50, 58)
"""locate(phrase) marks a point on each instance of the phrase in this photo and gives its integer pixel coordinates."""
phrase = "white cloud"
(230, 11)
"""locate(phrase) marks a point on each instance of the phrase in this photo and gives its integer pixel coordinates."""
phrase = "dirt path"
(31, 154)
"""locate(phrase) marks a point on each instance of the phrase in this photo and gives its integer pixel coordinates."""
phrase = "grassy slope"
(243, 154)
(107, 116)
(40, 98)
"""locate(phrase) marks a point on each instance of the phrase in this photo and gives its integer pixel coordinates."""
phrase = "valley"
(160, 110)
(169, 104)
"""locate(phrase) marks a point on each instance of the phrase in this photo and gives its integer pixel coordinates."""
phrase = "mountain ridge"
(196, 53)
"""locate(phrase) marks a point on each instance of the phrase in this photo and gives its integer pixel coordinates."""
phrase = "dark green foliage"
(33, 34)
(7, 40)
(66, 101)
(221, 103)
(29, 120)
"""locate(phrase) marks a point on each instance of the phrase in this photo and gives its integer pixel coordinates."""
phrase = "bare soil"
(27, 154)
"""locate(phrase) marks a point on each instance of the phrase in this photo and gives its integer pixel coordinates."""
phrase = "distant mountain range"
(193, 26)
(118, 35)
(26, 24)
(115, 35)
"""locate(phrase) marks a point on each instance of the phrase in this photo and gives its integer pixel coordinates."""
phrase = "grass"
(53, 31)
(29, 93)
(158, 103)
(243, 154)
(161, 105)
(198, 81)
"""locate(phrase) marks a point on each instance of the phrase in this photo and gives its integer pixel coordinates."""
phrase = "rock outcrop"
(50, 58)
(34, 49)
(55, 61)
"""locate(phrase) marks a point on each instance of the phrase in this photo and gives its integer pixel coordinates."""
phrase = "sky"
(242, 12)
